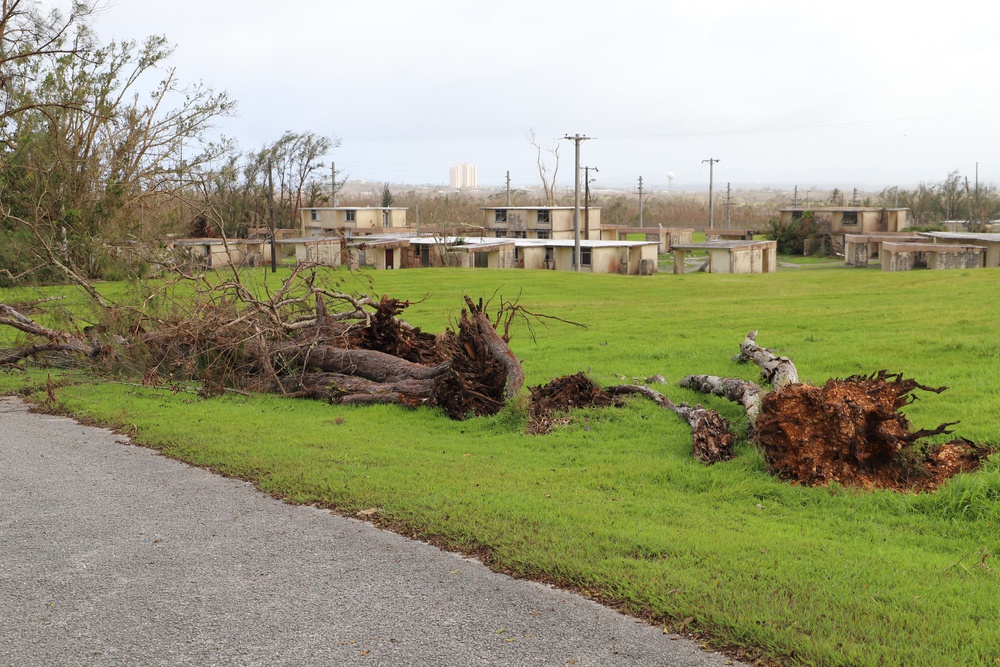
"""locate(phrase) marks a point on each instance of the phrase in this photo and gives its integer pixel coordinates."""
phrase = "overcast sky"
(865, 94)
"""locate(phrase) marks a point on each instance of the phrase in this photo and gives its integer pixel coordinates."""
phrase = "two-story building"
(352, 220)
(837, 221)
(540, 222)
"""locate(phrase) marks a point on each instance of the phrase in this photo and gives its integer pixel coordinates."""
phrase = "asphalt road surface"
(111, 554)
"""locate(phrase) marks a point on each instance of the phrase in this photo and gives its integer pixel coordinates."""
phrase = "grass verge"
(612, 503)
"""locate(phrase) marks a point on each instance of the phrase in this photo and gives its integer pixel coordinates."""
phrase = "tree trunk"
(736, 390)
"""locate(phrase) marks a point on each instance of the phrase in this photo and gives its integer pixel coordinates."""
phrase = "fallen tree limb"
(369, 364)
(777, 370)
(744, 392)
(710, 435)
(58, 340)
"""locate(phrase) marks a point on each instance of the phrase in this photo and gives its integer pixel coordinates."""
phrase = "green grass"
(613, 502)
(811, 260)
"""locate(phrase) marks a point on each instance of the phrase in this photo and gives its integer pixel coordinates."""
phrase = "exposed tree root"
(848, 431)
(562, 395)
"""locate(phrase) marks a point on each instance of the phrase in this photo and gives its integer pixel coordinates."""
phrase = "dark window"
(350, 216)
(314, 215)
(543, 234)
(850, 217)
(500, 215)
(482, 260)
(544, 216)
(584, 256)
(519, 234)
(500, 232)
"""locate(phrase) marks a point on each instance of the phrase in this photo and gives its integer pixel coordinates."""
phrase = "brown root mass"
(386, 333)
(851, 432)
(562, 395)
(478, 382)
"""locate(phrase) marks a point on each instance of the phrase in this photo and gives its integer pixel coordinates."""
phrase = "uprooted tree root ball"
(850, 431)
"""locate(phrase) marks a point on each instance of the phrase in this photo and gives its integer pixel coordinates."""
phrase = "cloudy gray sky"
(856, 93)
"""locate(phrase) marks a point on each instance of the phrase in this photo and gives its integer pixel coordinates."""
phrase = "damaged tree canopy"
(304, 340)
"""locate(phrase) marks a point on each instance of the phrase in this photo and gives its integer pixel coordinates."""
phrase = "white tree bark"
(740, 391)
(778, 371)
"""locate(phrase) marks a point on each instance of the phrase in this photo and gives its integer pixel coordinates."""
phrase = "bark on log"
(368, 364)
(58, 340)
(740, 391)
(499, 349)
(778, 371)
(350, 389)
(711, 438)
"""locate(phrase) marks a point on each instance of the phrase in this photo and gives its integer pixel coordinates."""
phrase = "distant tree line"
(954, 198)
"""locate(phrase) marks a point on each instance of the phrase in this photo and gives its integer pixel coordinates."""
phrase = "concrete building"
(219, 253)
(666, 237)
(990, 241)
(463, 176)
(907, 256)
(352, 221)
(314, 250)
(732, 256)
(410, 252)
(540, 222)
(836, 221)
(861, 249)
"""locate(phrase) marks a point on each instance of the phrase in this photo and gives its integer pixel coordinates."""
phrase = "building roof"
(831, 209)
(215, 241)
(522, 243)
(536, 208)
(982, 237)
(354, 208)
(723, 245)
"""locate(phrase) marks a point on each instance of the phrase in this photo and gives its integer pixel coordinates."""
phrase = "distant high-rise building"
(463, 176)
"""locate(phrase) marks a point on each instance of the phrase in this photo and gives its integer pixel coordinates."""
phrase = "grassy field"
(612, 503)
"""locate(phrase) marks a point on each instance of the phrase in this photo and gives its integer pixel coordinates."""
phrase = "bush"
(791, 237)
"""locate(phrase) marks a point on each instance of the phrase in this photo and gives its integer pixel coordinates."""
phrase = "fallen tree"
(849, 431)
(303, 340)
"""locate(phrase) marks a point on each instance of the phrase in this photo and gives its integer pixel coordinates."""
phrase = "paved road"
(113, 555)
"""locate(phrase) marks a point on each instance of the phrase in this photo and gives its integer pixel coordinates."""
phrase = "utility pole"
(576, 139)
(711, 174)
(333, 184)
(640, 201)
(854, 198)
(979, 212)
(795, 197)
(729, 193)
(508, 189)
(586, 199)
(270, 199)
